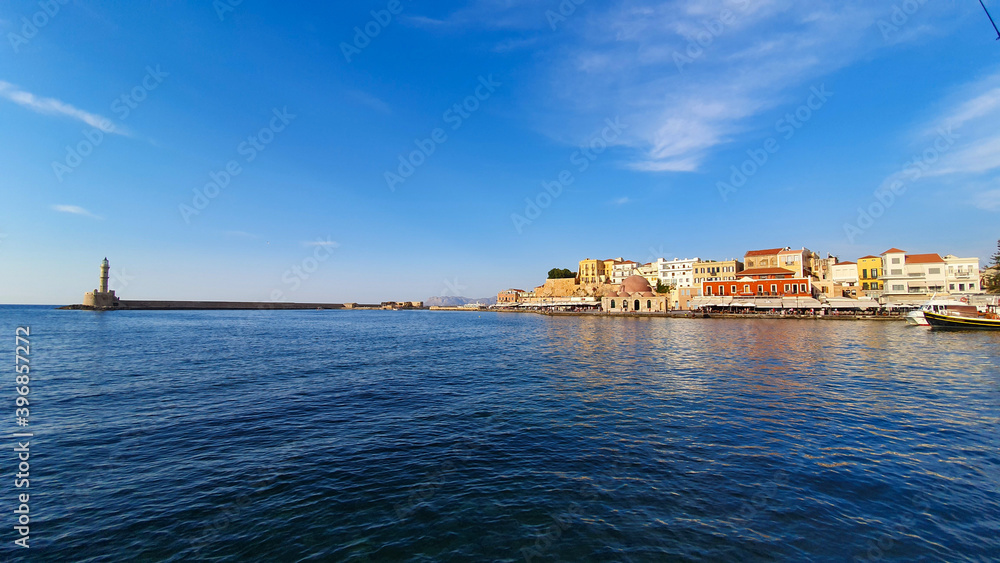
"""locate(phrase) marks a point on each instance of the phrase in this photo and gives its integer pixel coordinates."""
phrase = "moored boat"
(954, 320)
(936, 305)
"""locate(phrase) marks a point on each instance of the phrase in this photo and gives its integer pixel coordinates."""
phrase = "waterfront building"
(712, 270)
(762, 282)
(677, 272)
(636, 295)
(766, 258)
(622, 269)
(803, 261)
(963, 275)
(596, 271)
(649, 272)
(102, 298)
(509, 296)
(911, 277)
(869, 273)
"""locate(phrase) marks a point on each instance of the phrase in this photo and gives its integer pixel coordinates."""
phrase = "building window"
(760, 288)
(774, 288)
(786, 288)
(649, 305)
(734, 289)
(933, 270)
(972, 286)
(961, 287)
(636, 304)
(951, 287)
(864, 274)
(804, 289)
(898, 288)
(612, 303)
(895, 260)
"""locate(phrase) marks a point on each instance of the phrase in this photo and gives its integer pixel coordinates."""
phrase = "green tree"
(993, 274)
(561, 274)
(660, 288)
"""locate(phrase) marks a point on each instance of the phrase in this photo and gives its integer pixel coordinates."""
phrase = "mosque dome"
(635, 284)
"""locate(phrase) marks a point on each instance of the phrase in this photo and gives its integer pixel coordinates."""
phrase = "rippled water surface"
(426, 436)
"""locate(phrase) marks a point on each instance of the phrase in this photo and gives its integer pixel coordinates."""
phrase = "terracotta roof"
(766, 252)
(894, 250)
(869, 256)
(923, 259)
(845, 263)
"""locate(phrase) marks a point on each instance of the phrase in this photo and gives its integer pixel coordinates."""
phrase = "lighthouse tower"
(104, 275)
(102, 298)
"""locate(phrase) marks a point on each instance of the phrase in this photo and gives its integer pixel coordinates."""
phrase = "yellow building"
(712, 270)
(596, 271)
(590, 270)
(869, 271)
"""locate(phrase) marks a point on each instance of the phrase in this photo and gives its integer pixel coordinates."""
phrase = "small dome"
(635, 284)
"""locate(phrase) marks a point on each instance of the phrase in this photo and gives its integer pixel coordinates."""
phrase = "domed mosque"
(635, 296)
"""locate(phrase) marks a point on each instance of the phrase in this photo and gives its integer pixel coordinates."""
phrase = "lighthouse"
(105, 267)
(101, 298)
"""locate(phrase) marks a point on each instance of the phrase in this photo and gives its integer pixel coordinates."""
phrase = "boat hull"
(916, 318)
(962, 323)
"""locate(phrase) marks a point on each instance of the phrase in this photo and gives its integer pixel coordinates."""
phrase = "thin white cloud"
(76, 210)
(689, 75)
(370, 101)
(622, 201)
(240, 234)
(988, 200)
(325, 243)
(52, 106)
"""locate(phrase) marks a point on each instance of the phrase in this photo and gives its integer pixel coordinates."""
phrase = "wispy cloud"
(988, 200)
(621, 201)
(240, 234)
(370, 101)
(690, 75)
(52, 106)
(326, 243)
(76, 210)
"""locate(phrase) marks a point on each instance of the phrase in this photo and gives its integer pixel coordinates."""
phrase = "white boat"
(938, 305)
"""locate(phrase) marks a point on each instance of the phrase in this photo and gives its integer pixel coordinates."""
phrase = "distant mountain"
(457, 301)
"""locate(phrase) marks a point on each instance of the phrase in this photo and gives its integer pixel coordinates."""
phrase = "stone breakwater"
(217, 305)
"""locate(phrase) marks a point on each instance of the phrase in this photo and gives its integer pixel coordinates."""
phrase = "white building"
(912, 274)
(623, 269)
(962, 274)
(845, 273)
(677, 272)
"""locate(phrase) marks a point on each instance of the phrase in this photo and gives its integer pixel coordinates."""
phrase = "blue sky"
(873, 125)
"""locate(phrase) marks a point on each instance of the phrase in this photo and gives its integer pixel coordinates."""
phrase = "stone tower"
(104, 275)
(102, 298)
